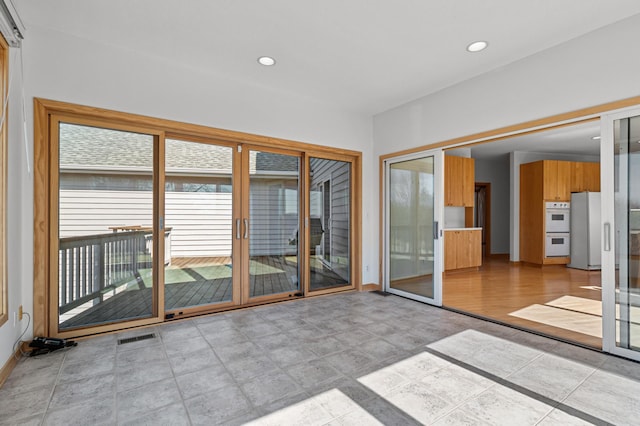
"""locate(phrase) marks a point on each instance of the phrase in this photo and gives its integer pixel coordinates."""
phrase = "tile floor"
(347, 359)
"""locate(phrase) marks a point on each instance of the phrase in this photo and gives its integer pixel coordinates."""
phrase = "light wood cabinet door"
(450, 247)
(468, 182)
(556, 180)
(452, 185)
(550, 179)
(577, 177)
(459, 181)
(563, 181)
(591, 178)
(531, 211)
(462, 249)
(469, 250)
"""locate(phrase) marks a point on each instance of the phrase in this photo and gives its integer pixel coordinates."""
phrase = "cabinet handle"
(607, 236)
(246, 229)
(237, 229)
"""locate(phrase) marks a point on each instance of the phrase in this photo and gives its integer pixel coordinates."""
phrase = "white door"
(620, 186)
(413, 199)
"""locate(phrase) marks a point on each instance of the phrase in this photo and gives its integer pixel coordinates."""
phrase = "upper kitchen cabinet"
(585, 177)
(556, 180)
(459, 181)
(560, 178)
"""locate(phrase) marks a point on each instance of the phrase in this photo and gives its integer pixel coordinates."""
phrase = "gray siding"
(272, 225)
(339, 174)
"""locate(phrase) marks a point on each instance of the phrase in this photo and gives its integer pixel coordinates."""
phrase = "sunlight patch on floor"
(578, 322)
(454, 382)
(331, 406)
(578, 304)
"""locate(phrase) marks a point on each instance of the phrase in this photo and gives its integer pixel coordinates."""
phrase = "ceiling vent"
(11, 25)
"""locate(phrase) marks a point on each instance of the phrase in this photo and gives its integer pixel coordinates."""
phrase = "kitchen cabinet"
(462, 248)
(585, 177)
(591, 179)
(556, 180)
(549, 180)
(459, 181)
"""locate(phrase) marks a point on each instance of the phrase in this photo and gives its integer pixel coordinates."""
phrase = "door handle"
(607, 236)
(436, 234)
(246, 229)
(237, 229)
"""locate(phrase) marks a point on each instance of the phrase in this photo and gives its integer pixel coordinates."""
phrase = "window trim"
(4, 89)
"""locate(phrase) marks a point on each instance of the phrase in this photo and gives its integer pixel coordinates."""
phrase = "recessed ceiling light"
(477, 46)
(595, 138)
(267, 61)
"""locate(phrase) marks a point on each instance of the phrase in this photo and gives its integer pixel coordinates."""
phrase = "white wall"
(496, 172)
(70, 69)
(19, 257)
(590, 70)
(516, 159)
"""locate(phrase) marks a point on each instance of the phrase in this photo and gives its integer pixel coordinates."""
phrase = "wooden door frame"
(43, 111)
(487, 212)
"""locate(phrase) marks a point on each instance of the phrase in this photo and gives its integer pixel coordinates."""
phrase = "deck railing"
(90, 266)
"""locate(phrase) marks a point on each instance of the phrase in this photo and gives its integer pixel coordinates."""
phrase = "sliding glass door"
(146, 227)
(270, 221)
(104, 264)
(413, 202)
(329, 224)
(199, 231)
(620, 155)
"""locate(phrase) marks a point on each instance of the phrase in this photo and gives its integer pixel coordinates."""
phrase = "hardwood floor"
(554, 300)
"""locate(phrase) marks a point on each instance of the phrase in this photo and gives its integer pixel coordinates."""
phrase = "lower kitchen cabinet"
(462, 248)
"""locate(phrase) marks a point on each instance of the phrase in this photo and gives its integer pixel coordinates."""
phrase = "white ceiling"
(364, 55)
(570, 140)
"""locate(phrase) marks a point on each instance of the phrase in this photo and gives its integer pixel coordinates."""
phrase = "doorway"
(522, 283)
(144, 226)
(412, 216)
(482, 215)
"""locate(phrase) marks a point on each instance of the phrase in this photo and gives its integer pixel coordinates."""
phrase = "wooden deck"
(199, 281)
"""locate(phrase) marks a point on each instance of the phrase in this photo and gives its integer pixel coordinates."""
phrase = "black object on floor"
(44, 345)
(381, 293)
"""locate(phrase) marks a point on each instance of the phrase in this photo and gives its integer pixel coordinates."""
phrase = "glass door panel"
(271, 228)
(413, 267)
(198, 224)
(329, 223)
(626, 237)
(105, 226)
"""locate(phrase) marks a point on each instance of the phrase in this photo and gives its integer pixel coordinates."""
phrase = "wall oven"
(557, 244)
(557, 217)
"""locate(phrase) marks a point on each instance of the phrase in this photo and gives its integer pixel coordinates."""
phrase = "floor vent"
(381, 293)
(136, 339)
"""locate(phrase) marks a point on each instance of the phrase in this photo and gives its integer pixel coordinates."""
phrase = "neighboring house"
(101, 189)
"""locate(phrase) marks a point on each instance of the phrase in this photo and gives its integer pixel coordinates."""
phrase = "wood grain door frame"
(44, 109)
(487, 216)
(157, 291)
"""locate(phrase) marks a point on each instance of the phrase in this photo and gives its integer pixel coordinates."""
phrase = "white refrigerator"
(585, 231)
